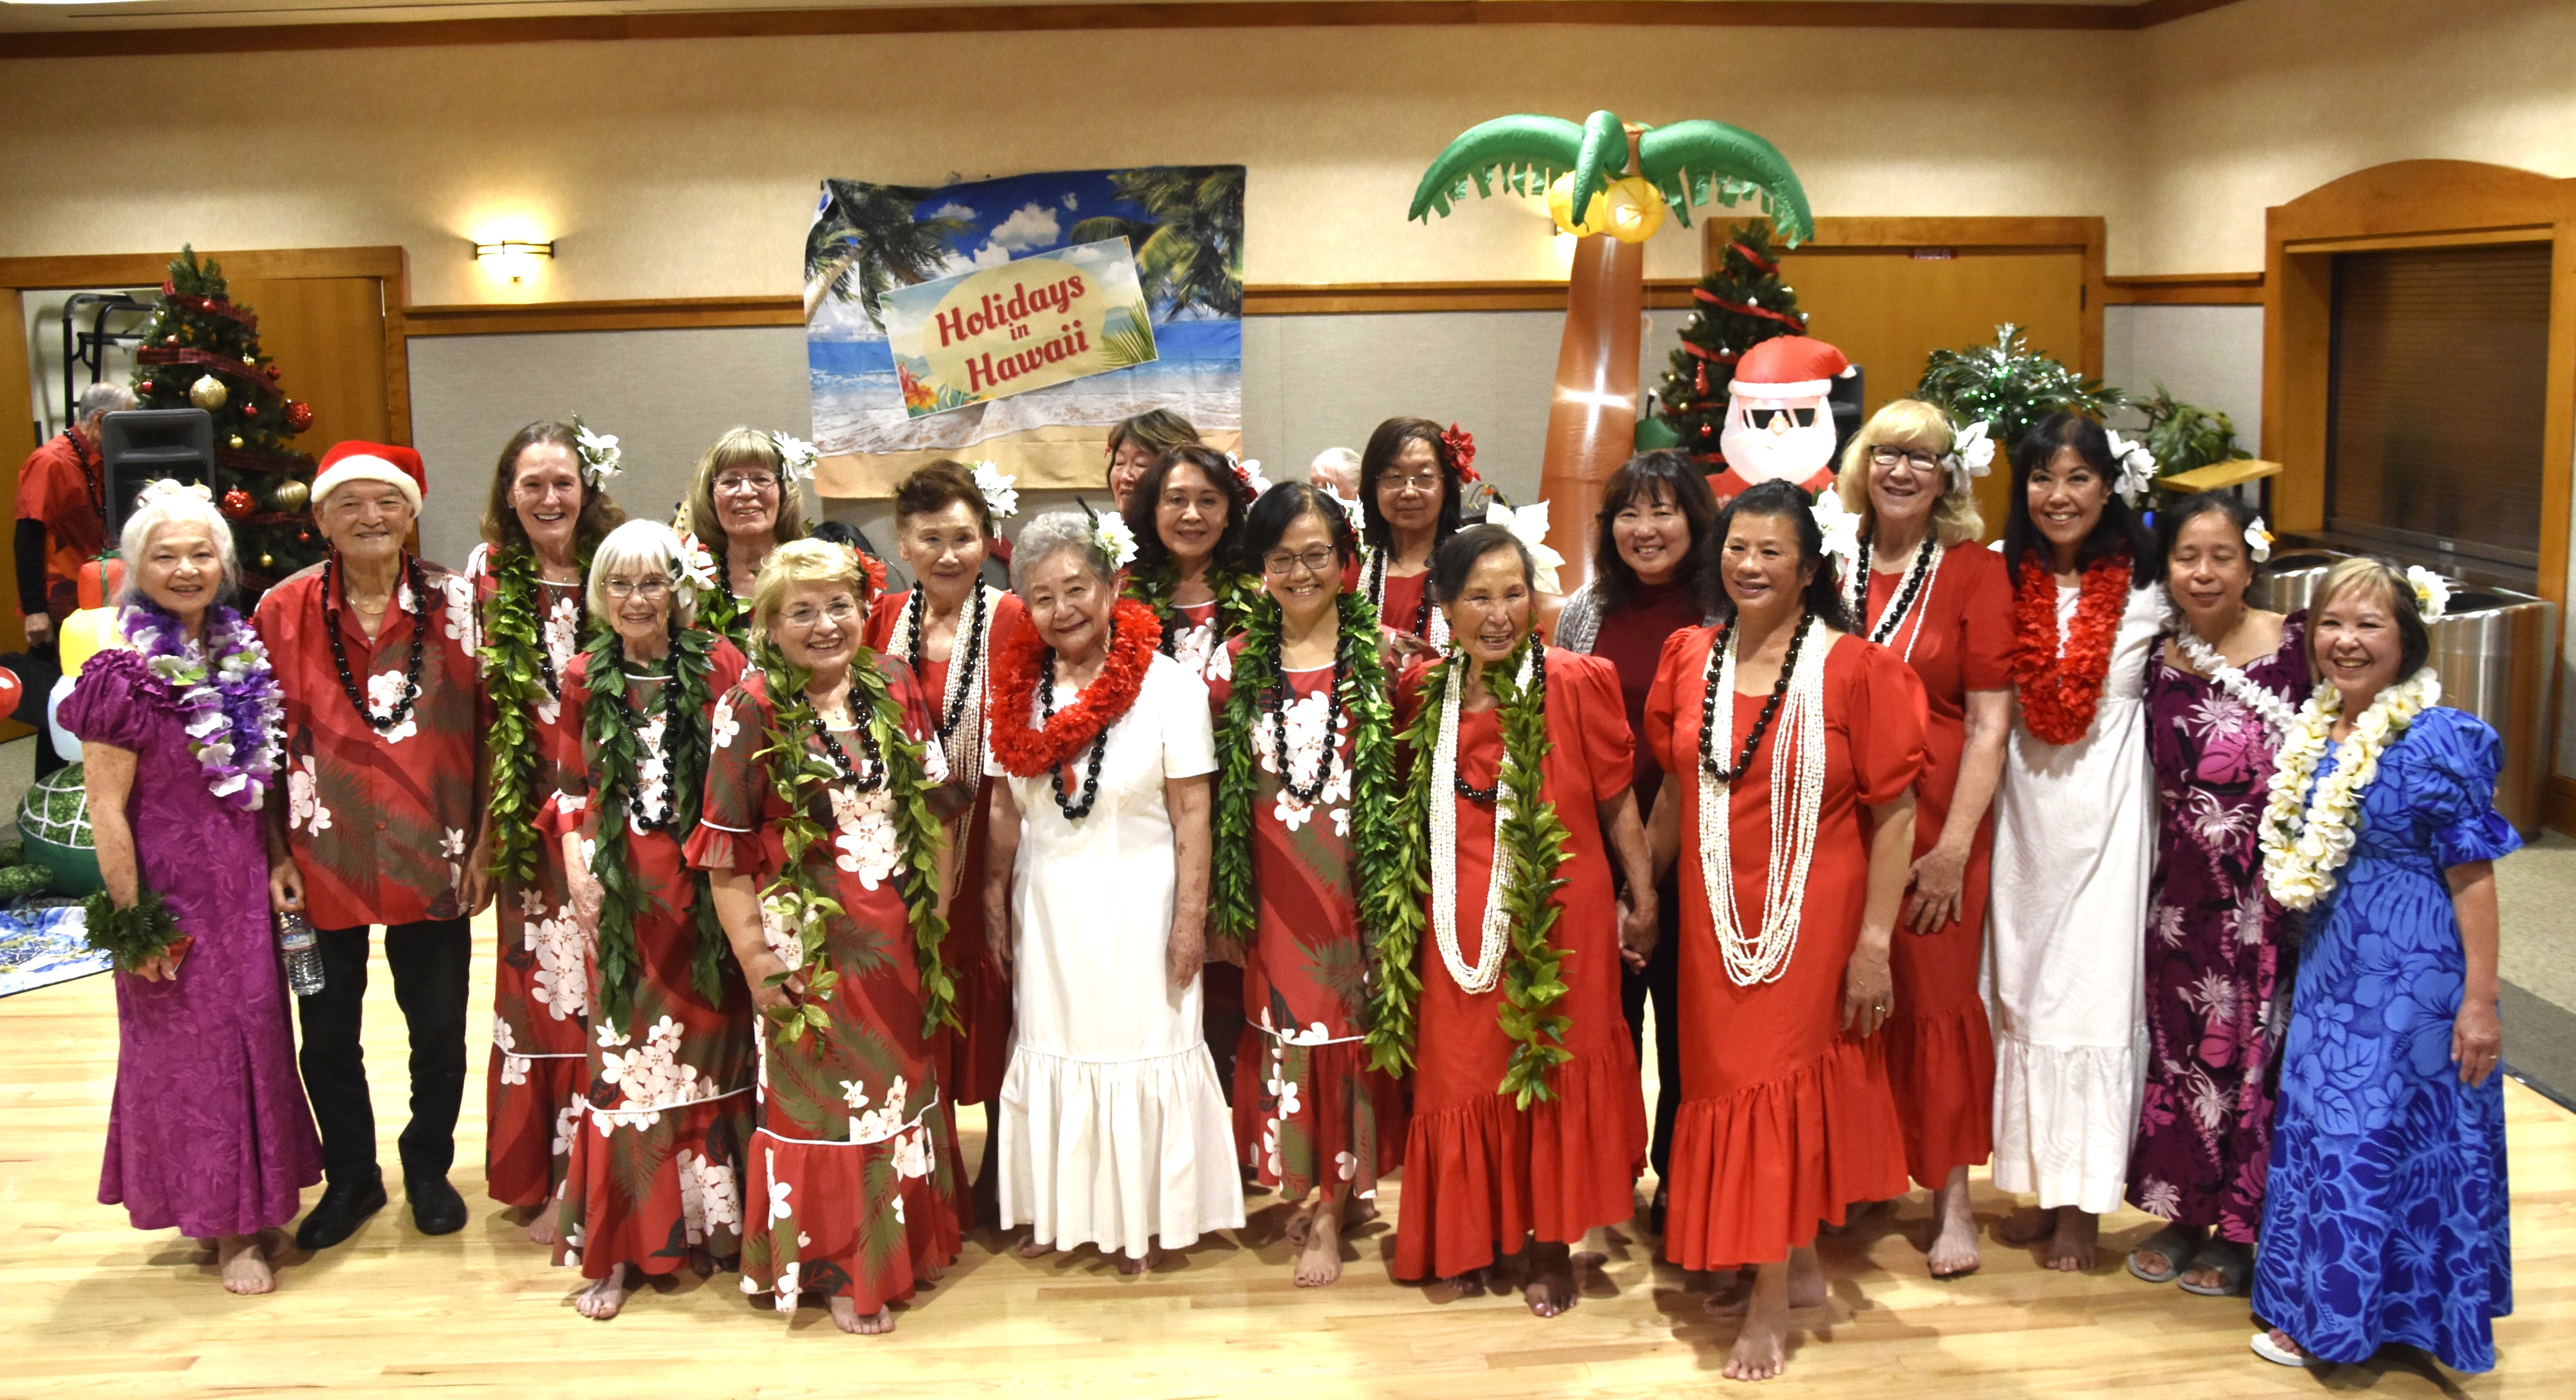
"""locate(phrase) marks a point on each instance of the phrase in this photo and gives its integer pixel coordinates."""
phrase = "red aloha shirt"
(378, 823)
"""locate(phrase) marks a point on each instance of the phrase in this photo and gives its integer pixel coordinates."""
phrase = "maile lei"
(1360, 686)
(2275, 711)
(1026, 752)
(802, 781)
(519, 675)
(1529, 846)
(1236, 591)
(613, 732)
(232, 709)
(2062, 687)
(2306, 839)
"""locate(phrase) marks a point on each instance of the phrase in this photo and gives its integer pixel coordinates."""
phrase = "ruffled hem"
(1757, 1171)
(1479, 1177)
(650, 1197)
(754, 853)
(1119, 1154)
(862, 1221)
(1941, 1072)
(2063, 1121)
(1309, 1114)
(528, 1108)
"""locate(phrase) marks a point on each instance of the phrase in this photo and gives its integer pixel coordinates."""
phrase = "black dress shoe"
(345, 1205)
(435, 1206)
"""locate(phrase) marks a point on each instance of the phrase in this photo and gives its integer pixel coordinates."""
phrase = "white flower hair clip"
(172, 489)
(1115, 539)
(796, 457)
(2137, 468)
(1247, 473)
(1972, 454)
(1528, 524)
(1839, 525)
(1001, 493)
(2432, 592)
(696, 565)
(600, 455)
(2258, 541)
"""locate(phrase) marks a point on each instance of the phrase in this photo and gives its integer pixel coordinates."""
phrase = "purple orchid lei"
(236, 710)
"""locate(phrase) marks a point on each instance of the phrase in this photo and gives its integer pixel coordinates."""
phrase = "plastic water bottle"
(303, 953)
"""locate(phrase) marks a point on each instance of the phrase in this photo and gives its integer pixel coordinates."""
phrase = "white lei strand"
(1479, 979)
(1435, 633)
(1799, 740)
(1856, 601)
(2306, 841)
(2276, 712)
(964, 746)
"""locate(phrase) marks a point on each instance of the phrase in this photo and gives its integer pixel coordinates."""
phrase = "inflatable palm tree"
(1621, 177)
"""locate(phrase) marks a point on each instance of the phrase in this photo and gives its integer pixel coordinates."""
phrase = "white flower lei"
(1488, 970)
(2276, 712)
(1799, 743)
(2305, 841)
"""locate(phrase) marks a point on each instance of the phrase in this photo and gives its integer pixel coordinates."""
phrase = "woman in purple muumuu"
(208, 1130)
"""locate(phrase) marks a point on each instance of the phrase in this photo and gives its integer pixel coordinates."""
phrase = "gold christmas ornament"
(236, 442)
(266, 561)
(209, 394)
(291, 495)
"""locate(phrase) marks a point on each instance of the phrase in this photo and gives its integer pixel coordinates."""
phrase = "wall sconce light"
(517, 257)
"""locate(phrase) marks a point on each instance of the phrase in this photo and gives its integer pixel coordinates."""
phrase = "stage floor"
(101, 1309)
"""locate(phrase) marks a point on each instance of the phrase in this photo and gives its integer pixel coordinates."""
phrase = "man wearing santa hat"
(1779, 416)
(385, 793)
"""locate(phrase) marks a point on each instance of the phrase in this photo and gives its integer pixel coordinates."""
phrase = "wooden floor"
(92, 1307)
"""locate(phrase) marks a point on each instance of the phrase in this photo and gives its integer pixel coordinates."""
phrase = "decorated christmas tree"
(1738, 306)
(202, 351)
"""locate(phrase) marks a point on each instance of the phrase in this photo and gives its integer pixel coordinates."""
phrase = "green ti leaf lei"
(1533, 841)
(613, 735)
(1237, 594)
(1376, 857)
(144, 929)
(513, 638)
(800, 778)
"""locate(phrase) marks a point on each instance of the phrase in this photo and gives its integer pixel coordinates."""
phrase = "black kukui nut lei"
(1770, 705)
(870, 776)
(956, 709)
(1073, 812)
(340, 653)
(1304, 794)
(1903, 602)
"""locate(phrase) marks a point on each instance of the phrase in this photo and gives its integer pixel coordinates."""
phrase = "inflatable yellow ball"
(1630, 210)
(1560, 207)
(85, 634)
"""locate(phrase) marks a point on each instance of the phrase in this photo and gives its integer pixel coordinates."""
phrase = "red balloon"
(10, 687)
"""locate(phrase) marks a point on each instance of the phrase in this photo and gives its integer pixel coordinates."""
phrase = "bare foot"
(1131, 1266)
(1761, 1350)
(1551, 1288)
(2026, 1226)
(1033, 1247)
(845, 1315)
(604, 1297)
(1320, 1262)
(2071, 1250)
(1954, 1248)
(1470, 1284)
(1730, 1292)
(1301, 1222)
(243, 1262)
(1806, 1278)
(541, 1230)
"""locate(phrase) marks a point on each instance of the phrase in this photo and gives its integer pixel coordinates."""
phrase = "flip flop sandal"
(2273, 1352)
(2173, 1242)
(2231, 1262)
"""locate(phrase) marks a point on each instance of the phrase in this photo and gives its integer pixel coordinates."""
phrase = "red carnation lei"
(1027, 752)
(2060, 690)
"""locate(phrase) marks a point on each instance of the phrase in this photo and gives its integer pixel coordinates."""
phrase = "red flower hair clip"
(1462, 450)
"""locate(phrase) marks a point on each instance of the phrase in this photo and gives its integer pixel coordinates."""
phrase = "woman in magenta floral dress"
(655, 1158)
(852, 1193)
(2218, 948)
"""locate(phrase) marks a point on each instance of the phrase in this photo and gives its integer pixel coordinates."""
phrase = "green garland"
(616, 755)
(513, 639)
(1533, 841)
(800, 780)
(1376, 859)
(1237, 592)
(130, 935)
(723, 614)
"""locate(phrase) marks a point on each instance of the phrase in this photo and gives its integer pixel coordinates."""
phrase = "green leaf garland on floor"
(614, 735)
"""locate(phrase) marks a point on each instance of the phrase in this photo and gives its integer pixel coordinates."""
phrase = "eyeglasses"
(651, 590)
(734, 481)
(842, 615)
(1430, 482)
(1318, 560)
(1889, 456)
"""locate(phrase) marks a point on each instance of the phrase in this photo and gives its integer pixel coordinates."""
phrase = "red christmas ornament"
(143, 388)
(304, 537)
(299, 415)
(250, 410)
(237, 504)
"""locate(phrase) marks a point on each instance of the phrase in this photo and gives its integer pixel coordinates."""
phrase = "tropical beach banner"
(887, 267)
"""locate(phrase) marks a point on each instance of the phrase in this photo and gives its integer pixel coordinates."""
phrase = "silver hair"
(1341, 461)
(1052, 534)
(106, 396)
(646, 545)
(173, 506)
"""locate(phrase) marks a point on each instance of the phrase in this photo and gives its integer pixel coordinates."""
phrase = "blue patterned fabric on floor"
(40, 947)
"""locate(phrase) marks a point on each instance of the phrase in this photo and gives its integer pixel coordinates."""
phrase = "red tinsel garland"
(1133, 636)
(1768, 267)
(209, 306)
(2060, 690)
(1746, 308)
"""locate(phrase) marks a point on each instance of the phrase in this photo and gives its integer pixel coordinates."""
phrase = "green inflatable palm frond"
(1699, 162)
(1525, 153)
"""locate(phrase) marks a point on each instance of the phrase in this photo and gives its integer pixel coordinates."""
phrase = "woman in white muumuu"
(1113, 1129)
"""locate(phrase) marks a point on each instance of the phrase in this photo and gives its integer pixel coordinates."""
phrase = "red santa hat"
(1789, 367)
(397, 467)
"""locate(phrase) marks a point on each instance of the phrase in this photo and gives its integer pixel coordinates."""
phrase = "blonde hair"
(648, 545)
(742, 447)
(1917, 426)
(801, 561)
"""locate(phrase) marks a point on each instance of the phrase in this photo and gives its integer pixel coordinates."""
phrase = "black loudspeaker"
(147, 444)
(1845, 400)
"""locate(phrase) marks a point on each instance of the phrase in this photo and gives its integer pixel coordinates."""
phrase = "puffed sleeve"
(2451, 771)
(565, 776)
(1675, 677)
(1189, 741)
(1600, 720)
(1885, 721)
(107, 704)
(727, 837)
(1985, 622)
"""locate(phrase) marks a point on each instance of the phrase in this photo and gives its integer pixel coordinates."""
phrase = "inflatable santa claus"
(1779, 416)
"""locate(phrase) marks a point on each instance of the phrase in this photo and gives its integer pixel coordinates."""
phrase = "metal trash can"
(2495, 651)
(2292, 577)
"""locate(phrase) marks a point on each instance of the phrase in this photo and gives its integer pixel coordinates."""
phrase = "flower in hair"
(1462, 450)
(2258, 541)
(1972, 454)
(796, 457)
(1001, 493)
(1115, 539)
(2432, 591)
(599, 454)
(1528, 524)
(2137, 467)
(1839, 524)
(696, 564)
(1247, 474)
(170, 489)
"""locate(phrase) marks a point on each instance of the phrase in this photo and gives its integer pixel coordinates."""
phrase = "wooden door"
(327, 335)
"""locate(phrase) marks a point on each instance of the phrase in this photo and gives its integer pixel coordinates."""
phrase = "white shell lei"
(2305, 841)
(2276, 712)
(965, 743)
(1495, 934)
(1798, 742)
